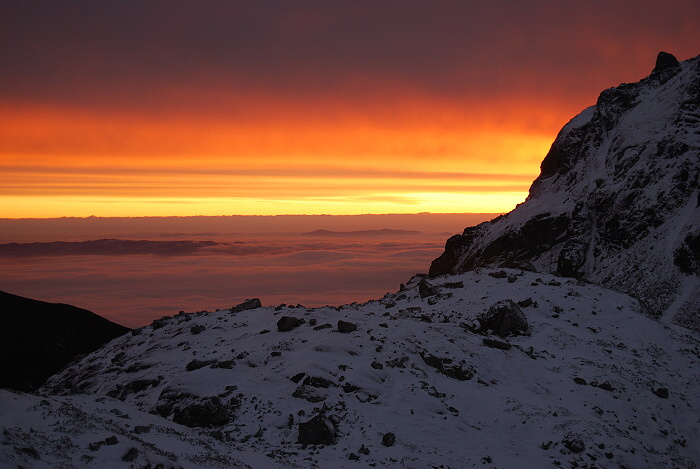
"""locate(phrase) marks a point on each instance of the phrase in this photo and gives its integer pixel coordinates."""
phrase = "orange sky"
(363, 107)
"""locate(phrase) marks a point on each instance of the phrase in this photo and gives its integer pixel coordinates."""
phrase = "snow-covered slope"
(592, 382)
(617, 201)
(49, 432)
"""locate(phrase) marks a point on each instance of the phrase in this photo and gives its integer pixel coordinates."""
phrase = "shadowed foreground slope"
(37, 339)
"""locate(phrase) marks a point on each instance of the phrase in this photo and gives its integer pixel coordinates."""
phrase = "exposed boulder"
(425, 289)
(388, 439)
(252, 303)
(503, 318)
(197, 364)
(344, 326)
(320, 430)
(207, 411)
(287, 323)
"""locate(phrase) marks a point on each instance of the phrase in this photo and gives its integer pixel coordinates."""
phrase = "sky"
(160, 108)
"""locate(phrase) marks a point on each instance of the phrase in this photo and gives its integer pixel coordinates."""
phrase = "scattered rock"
(320, 430)
(208, 411)
(111, 440)
(574, 445)
(158, 323)
(606, 386)
(28, 451)
(377, 366)
(453, 285)
(425, 289)
(197, 328)
(580, 381)
(139, 429)
(347, 388)
(499, 274)
(512, 278)
(526, 303)
(493, 343)
(323, 326)
(197, 364)
(246, 305)
(458, 372)
(661, 392)
(503, 318)
(344, 326)
(398, 362)
(388, 439)
(287, 323)
(130, 455)
(318, 382)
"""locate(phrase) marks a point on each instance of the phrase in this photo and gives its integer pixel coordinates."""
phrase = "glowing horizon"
(256, 108)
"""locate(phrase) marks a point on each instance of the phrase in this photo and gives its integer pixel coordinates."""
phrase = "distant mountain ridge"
(382, 232)
(103, 247)
(616, 201)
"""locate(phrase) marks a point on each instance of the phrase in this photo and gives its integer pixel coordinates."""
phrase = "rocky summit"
(616, 202)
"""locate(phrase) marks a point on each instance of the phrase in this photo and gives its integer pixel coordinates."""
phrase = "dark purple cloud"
(130, 53)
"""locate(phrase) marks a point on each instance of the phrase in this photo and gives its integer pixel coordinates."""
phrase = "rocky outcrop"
(320, 430)
(503, 318)
(206, 412)
(616, 201)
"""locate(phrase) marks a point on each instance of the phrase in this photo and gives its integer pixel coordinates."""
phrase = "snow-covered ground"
(593, 383)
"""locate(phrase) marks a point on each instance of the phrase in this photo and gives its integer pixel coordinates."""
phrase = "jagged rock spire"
(666, 66)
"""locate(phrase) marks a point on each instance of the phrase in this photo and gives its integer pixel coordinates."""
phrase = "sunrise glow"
(317, 109)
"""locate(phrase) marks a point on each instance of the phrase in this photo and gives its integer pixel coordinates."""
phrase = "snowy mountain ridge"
(617, 200)
(415, 379)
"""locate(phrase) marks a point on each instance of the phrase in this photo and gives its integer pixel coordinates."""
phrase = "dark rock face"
(503, 318)
(37, 339)
(616, 201)
(666, 66)
(687, 256)
(320, 430)
(208, 411)
(287, 323)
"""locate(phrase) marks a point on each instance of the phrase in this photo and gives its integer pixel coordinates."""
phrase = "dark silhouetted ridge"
(37, 339)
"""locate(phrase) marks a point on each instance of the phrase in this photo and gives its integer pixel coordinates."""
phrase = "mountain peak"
(666, 65)
(616, 202)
